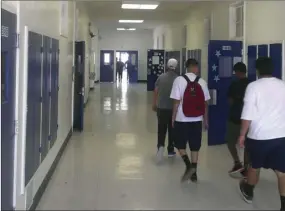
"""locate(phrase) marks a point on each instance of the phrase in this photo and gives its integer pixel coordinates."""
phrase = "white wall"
(129, 40)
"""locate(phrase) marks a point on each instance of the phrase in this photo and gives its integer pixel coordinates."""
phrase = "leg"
(161, 134)
(231, 138)
(195, 134)
(170, 147)
(281, 187)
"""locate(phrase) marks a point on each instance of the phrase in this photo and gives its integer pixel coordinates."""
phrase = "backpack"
(193, 104)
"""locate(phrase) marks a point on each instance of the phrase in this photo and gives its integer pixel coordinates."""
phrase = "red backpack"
(193, 104)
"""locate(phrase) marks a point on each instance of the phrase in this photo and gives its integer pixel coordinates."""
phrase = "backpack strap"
(197, 79)
(186, 78)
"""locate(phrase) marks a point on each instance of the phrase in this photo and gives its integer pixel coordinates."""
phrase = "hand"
(154, 108)
(206, 124)
(172, 122)
(241, 140)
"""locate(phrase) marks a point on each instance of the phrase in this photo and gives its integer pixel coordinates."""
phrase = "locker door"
(54, 90)
(46, 94)
(251, 58)
(221, 56)
(155, 67)
(176, 55)
(183, 70)
(107, 66)
(34, 105)
(276, 55)
(133, 55)
(262, 50)
(8, 59)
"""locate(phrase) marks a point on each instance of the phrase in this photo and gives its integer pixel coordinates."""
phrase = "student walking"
(263, 120)
(162, 104)
(235, 96)
(190, 95)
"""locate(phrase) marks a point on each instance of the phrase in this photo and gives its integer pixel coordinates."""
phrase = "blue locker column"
(184, 59)
(34, 100)
(8, 61)
(155, 67)
(46, 96)
(251, 58)
(221, 56)
(262, 50)
(54, 90)
(276, 56)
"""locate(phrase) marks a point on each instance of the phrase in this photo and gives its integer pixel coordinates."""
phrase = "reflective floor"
(111, 165)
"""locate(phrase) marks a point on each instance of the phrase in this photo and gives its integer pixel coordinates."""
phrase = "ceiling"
(106, 13)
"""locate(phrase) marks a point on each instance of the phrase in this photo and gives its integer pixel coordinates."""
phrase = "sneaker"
(236, 169)
(187, 174)
(247, 197)
(159, 155)
(171, 154)
(239, 175)
(194, 177)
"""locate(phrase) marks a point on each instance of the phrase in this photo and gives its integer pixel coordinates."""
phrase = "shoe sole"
(236, 171)
(237, 175)
(242, 196)
(189, 175)
(171, 156)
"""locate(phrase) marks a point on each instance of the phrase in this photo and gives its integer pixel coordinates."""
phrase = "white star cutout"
(216, 78)
(218, 53)
(214, 67)
(150, 59)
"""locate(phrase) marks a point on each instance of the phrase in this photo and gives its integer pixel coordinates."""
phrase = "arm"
(176, 104)
(176, 96)
(207, 98)
(230, 95)
(154, 100)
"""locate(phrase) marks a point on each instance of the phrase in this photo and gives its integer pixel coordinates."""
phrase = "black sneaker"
(194, 177)
(187, 174)
(236, 168)
(247, 197)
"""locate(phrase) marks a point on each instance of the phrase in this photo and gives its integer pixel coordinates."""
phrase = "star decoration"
(218, 53)
(214, 67)
(216, 78)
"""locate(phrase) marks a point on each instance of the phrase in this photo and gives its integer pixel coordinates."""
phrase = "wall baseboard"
(47, 178)
(142, 81)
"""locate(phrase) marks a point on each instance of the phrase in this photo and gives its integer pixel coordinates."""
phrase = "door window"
(107, 59)
(225, 67)
(133, 59)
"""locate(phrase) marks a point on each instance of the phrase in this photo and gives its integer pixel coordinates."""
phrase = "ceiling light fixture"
(126, 29)
(140, 6)
(131, 21)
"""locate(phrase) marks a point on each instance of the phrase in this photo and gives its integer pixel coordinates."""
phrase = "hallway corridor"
(111, 165)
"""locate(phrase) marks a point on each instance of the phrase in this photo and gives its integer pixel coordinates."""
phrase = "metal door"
(183, 68)
(8, 59)
(155, 67)
(276, 56)
(78, 108)
(263, 51)
(251, 58)
(133, 56)
(107, 66)
(34, 100)
(221, 57)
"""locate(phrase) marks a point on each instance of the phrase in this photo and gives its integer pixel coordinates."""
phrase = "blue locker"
(263, 51)
(46, 96)
(8, 60)
(34, 105)
(276, 55)
(251, 58)
(184, 51)
(155, 67)
(54, 90)
(175, 55)
(221, 56)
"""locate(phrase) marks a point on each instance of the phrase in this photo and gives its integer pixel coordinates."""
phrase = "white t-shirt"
(177, 93)
(264, 105)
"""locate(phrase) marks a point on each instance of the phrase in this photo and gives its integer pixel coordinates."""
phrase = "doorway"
(129, 71)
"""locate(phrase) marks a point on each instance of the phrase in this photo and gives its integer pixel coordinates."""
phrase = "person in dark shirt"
(236, 94)
(120, 67)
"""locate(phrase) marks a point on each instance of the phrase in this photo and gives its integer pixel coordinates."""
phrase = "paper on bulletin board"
(155, 60)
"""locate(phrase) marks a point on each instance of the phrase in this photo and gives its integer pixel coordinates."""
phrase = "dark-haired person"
(235, 96)
(162, 104)
(188, 130)
(263, 120)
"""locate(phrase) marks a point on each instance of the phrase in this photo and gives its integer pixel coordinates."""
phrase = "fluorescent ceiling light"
(130, 21)
(124, 29)
(140, 6)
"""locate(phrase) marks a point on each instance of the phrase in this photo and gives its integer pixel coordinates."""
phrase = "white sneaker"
(159, 154)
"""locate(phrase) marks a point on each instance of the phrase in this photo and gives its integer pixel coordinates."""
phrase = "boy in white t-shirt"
(188, 129)
(263, 117)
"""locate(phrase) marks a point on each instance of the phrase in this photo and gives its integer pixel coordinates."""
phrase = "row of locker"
(42, 100)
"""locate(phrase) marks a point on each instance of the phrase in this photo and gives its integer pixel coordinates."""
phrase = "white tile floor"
(111, 164)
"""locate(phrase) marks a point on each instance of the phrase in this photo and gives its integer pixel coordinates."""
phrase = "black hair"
(240, 67)
(264, 66)
(191, 63)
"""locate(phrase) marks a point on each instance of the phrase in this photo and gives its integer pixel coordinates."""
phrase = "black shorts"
(188, 132)
(269, 154)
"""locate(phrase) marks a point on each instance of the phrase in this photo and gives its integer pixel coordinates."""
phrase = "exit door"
(133, 57)
(78, 108)
(8, 54)
(107, 66)
(222, 55)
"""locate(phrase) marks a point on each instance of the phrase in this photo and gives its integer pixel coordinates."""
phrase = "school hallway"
(111, 165)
